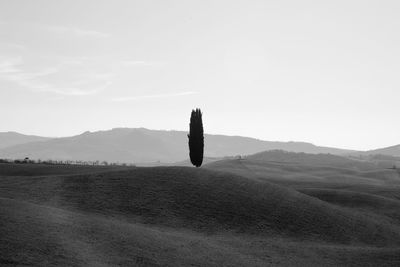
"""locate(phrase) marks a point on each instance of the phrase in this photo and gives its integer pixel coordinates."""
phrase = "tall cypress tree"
(196, 138)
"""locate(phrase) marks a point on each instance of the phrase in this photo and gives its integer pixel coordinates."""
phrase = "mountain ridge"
(141, 145)
(11, 138)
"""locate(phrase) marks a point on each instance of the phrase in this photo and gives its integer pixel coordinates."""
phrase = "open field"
(179, 216)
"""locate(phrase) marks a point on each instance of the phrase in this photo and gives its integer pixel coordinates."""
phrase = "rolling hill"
(388, 151)
(149, 216)
(148, 146)
(362, 186)
(282, 166)
(201, 200)
(308, 159)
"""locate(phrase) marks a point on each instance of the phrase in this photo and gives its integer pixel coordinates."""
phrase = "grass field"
(231, 213)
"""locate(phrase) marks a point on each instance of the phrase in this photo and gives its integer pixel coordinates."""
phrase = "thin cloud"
(134, 98)
(58, 29)
(70, 91)
(12, 45)
(11, 70)
(76, 31)
(38, 86)
(134, 63)
(10, 65)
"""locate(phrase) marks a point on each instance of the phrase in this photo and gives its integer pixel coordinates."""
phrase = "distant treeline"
(65, 162)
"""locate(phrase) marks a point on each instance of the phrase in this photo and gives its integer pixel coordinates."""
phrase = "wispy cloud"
(10, 65)
(70, 91)
(134, 98)
(12, 45)
(76, 31)
(138, 63)
(57, 29)
(86, 83)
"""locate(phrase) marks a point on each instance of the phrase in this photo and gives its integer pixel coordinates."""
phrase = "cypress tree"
(196, 138)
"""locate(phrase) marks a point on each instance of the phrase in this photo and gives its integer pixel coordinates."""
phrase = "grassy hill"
(40, 235)
(149, 216)
(7, 169)
(339, 181)
(388, 151)
(292, 168)
(306, 159)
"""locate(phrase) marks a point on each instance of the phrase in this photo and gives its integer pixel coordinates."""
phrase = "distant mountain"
(8, 139)
(141, 145)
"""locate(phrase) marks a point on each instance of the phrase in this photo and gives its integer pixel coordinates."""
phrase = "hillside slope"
(388, 151)
(342, 182)
(202, 200)
(299, 168)
(178, 216)
(37, 235)
(307, 159)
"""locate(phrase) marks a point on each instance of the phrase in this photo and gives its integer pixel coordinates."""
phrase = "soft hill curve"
(307, 159)
(203, 201)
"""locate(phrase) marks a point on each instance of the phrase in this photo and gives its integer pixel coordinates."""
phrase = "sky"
(325, 72)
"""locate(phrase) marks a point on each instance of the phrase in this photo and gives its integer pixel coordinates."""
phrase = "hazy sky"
(326, 72)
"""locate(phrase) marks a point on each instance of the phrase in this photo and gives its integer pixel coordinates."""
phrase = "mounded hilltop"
(366, 202)
(308, 159)
(39, 235)
(299, 168)
(204, 201)
(389, 151)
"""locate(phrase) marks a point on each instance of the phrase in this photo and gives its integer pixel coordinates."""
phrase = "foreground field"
(177, 216)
